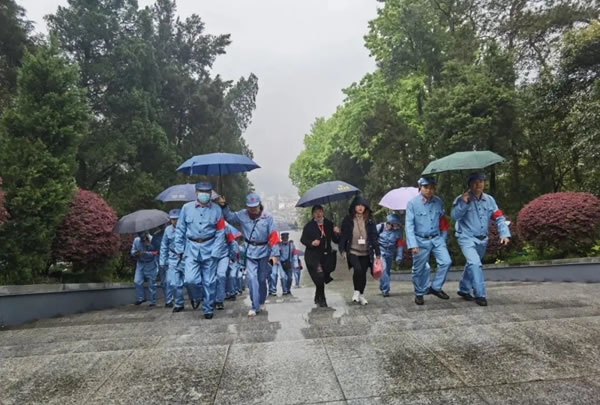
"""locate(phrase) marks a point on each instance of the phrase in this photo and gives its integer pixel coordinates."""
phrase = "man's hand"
(414, 251)
(465, 196)
(504, 241)
(336, 229)
(274, 260)
(316, 242)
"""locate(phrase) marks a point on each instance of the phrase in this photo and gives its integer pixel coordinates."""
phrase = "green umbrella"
(474, 160)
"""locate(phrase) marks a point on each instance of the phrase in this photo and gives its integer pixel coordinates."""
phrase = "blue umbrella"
(328, 192)
(181, 192)
(217, 164)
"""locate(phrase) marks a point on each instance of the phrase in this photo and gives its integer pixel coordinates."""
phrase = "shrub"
(565, 222)
(85, 236)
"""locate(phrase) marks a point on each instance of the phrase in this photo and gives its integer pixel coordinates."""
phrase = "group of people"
(362, 243)
(202, 251)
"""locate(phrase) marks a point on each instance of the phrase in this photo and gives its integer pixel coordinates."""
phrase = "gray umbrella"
(141, 220)
(328, 192)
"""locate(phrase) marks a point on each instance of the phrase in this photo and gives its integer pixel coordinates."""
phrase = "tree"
(41, 134)
(15, 31)
(154, 100)
(3, 213)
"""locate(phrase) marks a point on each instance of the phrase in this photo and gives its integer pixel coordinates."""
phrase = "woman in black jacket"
(358, 243)
(317, 236)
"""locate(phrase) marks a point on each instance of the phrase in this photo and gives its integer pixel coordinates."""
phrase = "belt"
(481, 237)
(201, 240)
(256, 243)
(432, 236)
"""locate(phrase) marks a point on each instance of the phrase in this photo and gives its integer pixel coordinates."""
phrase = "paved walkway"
(536, 343)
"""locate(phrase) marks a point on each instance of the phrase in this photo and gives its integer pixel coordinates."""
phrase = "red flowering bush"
(86, 234)
(3, 212)
(565, 222)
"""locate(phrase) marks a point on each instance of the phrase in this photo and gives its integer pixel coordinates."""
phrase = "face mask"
(203, 198)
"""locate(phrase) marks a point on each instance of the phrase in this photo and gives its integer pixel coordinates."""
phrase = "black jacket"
(314, 255)
(348, 228)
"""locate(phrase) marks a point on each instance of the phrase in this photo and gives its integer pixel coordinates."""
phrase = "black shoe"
(465, 296)
(177, 309)
(440, 294)
(328, 279)
(419, 300)
(195, 304)
(151, 305)
(385, 294)
(231, 298)
(139, 302)
(219, 306)
(169, 305)
(323, 303)
(481, 301)
(287, 293)
(273, 294)
(208, 316)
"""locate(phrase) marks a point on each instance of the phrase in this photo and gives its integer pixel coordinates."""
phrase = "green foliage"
(516, 77)
(15, 31)
(40, 136)
(154, 101)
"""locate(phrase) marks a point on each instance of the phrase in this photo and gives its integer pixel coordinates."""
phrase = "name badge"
(362, 241)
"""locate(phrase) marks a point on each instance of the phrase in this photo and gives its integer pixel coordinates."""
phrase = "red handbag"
(377, 269)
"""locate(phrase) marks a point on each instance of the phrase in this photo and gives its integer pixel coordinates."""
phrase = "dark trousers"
(318, 277)
(360, 264)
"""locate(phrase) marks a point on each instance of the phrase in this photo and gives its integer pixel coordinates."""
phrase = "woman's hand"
(316, 242)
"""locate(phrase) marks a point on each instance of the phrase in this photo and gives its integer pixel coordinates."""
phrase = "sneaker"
(251, 313)
(419, 300)
(139, 302)
(355, 296)
(169, 305)
(385, 294)
(195, 304)
(177, 309)
(440, 294)
(219, 306)
(481, 301)
(263, 307)
(151, 305)
(287, 293)
(465, 296)
(362, 300)
(230, 298)
(273, 294)
(208, 316)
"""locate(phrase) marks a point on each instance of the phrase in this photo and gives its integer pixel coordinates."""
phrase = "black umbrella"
(141, 220)
(326, 193)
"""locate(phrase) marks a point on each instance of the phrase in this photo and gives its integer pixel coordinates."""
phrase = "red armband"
(221, 224)
(273, 238)
(497, 214)
(444, 225)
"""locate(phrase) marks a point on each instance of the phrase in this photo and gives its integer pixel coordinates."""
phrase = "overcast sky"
(304, 53)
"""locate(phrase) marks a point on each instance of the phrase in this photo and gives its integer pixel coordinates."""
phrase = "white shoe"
(362, 300)
(263, 307)
(251, 313)
(355, 296)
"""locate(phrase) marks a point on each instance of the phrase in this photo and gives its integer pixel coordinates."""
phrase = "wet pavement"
(537, 343)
